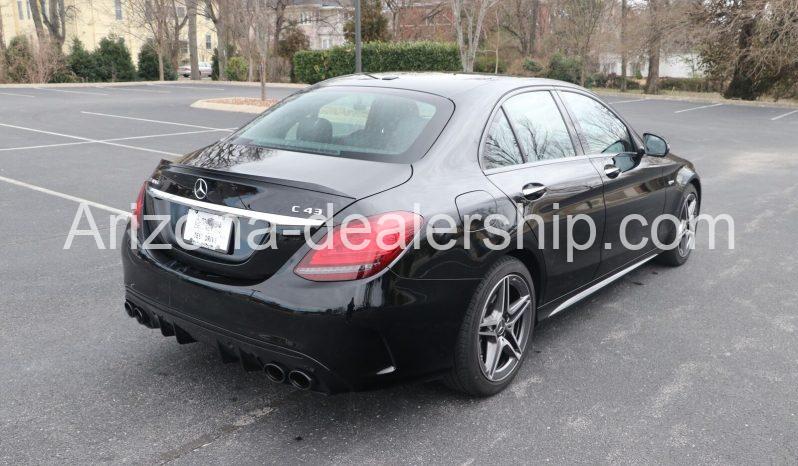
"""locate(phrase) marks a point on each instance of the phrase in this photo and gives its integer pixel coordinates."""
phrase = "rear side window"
(539, 126)
(501, 148)
(368, 123)
(601, 131)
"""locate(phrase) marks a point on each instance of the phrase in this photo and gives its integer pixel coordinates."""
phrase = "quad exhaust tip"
(299, 379)
(275, 372)
(141, 316)
(129, 309)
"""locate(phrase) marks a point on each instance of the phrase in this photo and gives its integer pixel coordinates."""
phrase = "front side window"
(208, 42)
(501, 148)
(539, 126)
(601, 131)
(369, 123)
(118, 9)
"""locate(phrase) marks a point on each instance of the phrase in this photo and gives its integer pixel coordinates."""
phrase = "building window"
(326, 42)
(118, 9)
(208, 42)
(181, 12)
(21, 9)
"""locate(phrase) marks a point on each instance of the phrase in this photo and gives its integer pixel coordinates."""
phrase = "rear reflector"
(360, 248)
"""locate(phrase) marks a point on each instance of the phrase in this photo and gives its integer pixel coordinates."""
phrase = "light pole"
(358, 45)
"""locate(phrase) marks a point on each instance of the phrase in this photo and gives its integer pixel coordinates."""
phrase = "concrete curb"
(147, 83)
(208, 105)
(694, 98)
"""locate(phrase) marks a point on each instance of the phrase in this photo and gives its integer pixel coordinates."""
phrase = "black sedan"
(373, 229)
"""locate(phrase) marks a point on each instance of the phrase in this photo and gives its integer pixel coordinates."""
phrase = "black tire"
(467, 374)
(675, 257)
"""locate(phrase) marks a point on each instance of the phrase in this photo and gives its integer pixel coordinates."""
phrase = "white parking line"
(697, 108)
(68, 197)
(98, 141)
(133, 89)
(190, 87)
(156, 121)
(627, 101)
(44, 146)
(17, 95)
(784, 115)
(69, 92)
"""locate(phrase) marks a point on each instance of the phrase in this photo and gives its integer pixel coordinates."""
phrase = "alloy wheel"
(687, 221)
(502, 328)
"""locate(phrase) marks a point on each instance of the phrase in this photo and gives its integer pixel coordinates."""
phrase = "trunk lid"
(279, 188)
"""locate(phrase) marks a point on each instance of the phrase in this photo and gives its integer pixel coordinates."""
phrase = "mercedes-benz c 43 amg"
(373, 229)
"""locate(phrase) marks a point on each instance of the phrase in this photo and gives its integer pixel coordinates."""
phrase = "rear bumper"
(347, 336)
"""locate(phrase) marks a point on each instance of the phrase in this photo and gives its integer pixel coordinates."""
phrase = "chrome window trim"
(275, 219)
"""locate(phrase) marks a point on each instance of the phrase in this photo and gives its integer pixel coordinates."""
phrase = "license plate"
(208, 231)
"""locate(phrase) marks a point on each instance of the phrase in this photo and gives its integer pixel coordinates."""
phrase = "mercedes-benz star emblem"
(200, 188)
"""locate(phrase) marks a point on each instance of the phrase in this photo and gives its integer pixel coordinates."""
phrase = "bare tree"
(750, 45)
(53, 15)
(163, 21)
(218, 12)
(469, 17)
(579, 24)
(397, 7)
(521, 19)
(654, 44)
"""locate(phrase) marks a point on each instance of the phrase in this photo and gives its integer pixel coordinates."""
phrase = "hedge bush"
(237, 69)
(564, 68)
(113, 61)
(19, 59)
(148, 64)
(312, 66)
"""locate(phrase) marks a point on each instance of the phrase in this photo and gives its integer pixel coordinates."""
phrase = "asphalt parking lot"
(689, 365)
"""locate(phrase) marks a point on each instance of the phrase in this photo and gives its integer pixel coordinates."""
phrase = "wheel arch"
(536, 268)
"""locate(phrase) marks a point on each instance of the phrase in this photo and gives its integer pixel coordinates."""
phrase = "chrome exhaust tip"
(129, 309)
(275, 372)
(300, 380)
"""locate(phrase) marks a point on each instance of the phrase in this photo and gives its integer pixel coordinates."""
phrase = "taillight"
(359, 248)
(138, 209)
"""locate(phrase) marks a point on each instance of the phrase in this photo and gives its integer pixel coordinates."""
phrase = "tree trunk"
(624, 11)
(742, 86)
(56, 22)
(652, 80)
(160, 65)
(37, 21)
(263, 78)
(192, 39)
(533, 27)
(222, 49)
(654, 47)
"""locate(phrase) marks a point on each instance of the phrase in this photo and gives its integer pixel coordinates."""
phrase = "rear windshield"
(369, 123)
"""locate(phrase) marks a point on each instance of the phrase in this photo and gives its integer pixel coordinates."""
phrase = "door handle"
(533, 191)
(611, 171)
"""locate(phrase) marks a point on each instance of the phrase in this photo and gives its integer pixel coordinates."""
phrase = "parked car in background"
(204, 69)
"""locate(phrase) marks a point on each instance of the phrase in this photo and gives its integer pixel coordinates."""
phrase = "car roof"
(454, 86)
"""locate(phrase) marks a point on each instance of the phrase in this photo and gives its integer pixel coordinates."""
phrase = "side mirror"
(655, 145)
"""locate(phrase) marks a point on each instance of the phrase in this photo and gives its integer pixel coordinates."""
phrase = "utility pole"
(358, 44)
